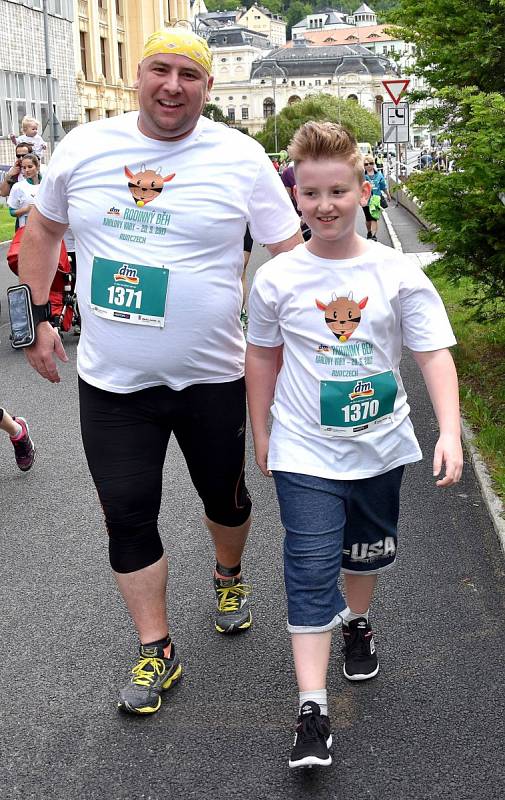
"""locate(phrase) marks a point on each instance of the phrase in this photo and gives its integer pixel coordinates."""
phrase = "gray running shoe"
(151, 675)
(233, 612)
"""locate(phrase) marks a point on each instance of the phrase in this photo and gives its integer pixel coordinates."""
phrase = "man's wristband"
(41, 313)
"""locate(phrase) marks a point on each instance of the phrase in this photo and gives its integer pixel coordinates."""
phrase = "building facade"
(261, 20)
(23, 81)
(108, 38)
(288, 75)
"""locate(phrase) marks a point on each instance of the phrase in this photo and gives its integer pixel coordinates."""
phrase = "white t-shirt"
(37, 143)
(216, 181)
(340, 409)
(23, 193)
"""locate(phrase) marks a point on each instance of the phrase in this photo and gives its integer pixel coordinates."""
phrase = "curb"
(392, 233)
(492, 502)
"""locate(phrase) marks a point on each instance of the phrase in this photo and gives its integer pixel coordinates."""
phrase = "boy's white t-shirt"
(332, 389)
(194, 228)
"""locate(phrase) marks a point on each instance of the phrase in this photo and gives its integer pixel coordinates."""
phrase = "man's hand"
(448, 452)
(41, 353)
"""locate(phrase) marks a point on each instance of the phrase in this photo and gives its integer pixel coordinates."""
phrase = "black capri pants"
(125, 439)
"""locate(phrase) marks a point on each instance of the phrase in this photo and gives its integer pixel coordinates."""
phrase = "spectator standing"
(23, 193)
(14, 173)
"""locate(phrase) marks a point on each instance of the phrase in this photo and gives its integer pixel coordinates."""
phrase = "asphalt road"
(431, 725)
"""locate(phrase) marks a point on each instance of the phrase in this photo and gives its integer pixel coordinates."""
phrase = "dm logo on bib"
(342, 315)
(146, 185)
(362, 389)
(128, 275)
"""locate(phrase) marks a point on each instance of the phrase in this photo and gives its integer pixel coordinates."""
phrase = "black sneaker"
(233, 614)
(151, 675)
(313, 738)
(374, 238)
(360, 658)
(369, 235)
(24, 449)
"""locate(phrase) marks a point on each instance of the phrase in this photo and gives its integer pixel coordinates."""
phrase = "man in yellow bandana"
(158, 201)
(174, 82)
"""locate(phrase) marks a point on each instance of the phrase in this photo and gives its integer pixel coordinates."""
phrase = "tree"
(212, 111)
(362, 123)
(460, 56)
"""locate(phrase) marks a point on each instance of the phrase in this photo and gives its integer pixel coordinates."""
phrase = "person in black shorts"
(161, 348)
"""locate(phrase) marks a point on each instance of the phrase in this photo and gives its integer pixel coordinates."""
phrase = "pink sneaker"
(24, 449)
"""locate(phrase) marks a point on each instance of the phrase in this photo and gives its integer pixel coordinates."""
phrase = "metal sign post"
(396, 129)
(396, 117)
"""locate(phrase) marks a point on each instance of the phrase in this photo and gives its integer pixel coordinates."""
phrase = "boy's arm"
(261, 368)
(441, 380)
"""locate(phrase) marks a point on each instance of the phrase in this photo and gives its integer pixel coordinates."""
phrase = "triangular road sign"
(396, 88)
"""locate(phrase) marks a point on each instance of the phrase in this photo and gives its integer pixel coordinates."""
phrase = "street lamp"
(274, 67)
(53, 134)
(276, 141)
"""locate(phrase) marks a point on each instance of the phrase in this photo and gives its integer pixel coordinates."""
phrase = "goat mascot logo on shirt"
(342, 315)
(146, 185)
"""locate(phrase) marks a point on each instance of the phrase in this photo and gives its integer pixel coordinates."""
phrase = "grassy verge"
(480, 360)
(6, 224)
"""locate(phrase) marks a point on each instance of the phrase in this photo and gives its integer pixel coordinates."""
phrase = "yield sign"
(396, 88)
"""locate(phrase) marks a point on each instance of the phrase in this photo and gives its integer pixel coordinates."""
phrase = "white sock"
(348, 615)
(319, 696)
(20, 431)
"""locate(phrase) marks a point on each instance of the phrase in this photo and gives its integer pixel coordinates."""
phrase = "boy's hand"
(261, 450)
(448, 452)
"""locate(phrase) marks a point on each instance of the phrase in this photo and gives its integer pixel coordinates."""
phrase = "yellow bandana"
(182, 42)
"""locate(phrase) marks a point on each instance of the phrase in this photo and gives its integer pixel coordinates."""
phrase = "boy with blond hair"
(336, 311)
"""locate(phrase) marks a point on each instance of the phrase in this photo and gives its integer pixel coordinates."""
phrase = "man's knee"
(133, 547)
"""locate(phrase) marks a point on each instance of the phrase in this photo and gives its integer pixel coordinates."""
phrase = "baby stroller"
(62, 298)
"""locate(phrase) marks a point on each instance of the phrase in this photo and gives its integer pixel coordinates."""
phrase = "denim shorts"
(333, 525)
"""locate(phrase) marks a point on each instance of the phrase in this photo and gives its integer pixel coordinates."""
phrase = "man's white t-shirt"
(191, 224)
(340, 409)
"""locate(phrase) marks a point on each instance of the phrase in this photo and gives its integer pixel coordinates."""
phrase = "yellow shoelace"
(229, 596)
(144, 677)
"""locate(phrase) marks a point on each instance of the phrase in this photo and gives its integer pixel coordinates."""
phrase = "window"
(302, 83)
(230, 98)
(82, 45)
(103, 58)
(245, 113)
(120, 57)
(223, 61)
(317, 82)
(231, 114)
(239, 58)
(268, 107)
